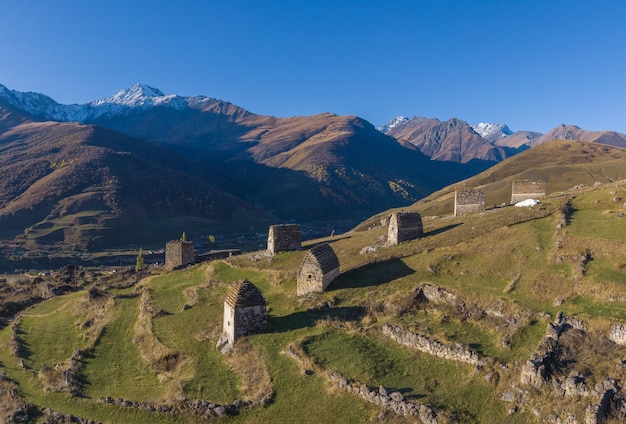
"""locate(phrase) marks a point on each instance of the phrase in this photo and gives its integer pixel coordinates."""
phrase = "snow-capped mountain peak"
(492, 132)
(398, 120)
(124, 101)
(137, 95)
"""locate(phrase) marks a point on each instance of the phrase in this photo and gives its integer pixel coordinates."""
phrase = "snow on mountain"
(398, 120)
(492, 132)
(139, 96)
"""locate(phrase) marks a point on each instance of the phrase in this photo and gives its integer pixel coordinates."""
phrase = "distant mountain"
(90, 187)
(453, 140)
(398, 120)
(226, 166)
(520, 140)
(572, 132)
(145, 162)
(492, 132)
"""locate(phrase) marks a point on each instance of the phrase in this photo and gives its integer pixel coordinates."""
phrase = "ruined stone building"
(524, 189)
(245, 311)
(178, 253)
(283, 237)
(404, 226)
(319, 268)
(468, 200)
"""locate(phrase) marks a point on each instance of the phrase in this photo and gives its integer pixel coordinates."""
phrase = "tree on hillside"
(139, 262)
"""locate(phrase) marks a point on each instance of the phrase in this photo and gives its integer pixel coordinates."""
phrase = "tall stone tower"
(284, 237)
(468, 200)
(178, 253)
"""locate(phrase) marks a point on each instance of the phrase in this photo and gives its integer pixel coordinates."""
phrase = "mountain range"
(141, 166)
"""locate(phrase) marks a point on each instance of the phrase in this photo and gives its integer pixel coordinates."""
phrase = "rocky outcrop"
(431, 346)
(539, 368)
(436, 294)
(618, 334)
(609, 397)
(12, 408)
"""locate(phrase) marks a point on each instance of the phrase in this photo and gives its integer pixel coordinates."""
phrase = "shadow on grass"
(305, 319)
(442, 229)
(372, 275)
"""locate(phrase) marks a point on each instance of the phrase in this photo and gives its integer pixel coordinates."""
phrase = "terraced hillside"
(513, 315)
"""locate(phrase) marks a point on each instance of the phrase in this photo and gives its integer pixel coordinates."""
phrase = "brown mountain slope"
(321, 167)
(562, 164)
(89, 186)
(343, 166)
(452, 140)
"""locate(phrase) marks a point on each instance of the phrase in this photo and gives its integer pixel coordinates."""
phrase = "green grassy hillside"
(510, 272)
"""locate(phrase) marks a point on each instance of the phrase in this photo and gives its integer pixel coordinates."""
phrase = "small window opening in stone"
(309, 276)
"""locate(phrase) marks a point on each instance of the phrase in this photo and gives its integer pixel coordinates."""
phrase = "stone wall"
(178, 253)
(404, 226)
(468, 201)
(382, 397)
(182, 407)
(392, 401)
(284, 237)
(431, 346)
(523, 189)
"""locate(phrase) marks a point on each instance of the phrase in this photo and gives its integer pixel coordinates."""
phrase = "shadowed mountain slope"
(80, 182)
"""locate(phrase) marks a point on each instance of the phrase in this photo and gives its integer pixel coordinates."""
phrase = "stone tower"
(284, 237)
(245, 311)
(404, 226)
(468, 200)
(523, 190)
(178, 253)
(319, 268)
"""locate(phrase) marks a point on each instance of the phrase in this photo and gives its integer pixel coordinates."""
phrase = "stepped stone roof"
(243, 294)
(325, 257)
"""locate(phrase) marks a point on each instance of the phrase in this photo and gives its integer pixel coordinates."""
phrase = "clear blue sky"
(530, 64)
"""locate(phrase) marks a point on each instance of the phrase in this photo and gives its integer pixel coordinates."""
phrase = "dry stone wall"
(427, 345)
(184, 407)
(389, 400)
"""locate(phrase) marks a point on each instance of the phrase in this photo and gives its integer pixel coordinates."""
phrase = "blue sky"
(529, 64)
